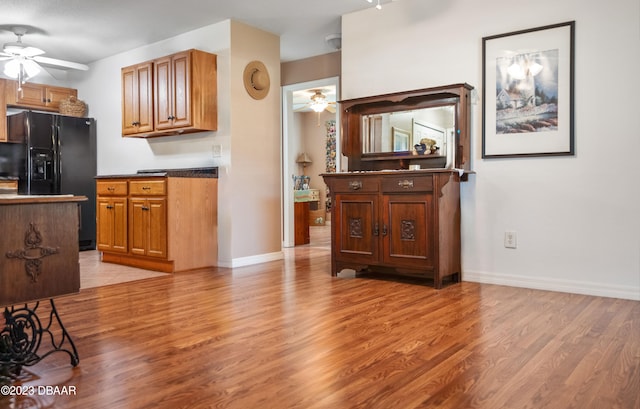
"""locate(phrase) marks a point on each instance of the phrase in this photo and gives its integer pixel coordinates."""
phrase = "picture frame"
(400, 139)
(528, 92)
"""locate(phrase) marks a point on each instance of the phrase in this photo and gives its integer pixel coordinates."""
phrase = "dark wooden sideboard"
(405, 222)
(397, 210)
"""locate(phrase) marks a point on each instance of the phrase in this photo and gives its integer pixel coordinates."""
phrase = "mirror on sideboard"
(381, 132)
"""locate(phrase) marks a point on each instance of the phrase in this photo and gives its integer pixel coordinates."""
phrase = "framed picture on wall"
(527, 87)
(400, 139)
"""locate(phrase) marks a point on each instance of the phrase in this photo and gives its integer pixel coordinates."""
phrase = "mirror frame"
(352, 134)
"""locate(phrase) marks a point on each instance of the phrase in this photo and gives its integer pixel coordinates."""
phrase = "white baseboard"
(565, 286)
(247, 261)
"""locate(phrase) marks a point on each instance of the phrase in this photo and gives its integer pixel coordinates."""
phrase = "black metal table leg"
(22, 337)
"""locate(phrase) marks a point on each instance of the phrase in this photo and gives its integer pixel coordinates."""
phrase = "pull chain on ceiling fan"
(24, 60)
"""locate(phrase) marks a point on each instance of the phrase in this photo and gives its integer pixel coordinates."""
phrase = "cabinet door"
(163, 94)
(181, 90)
(137, 99)
(157, 227)
(173, 91)
(138, 226)
(53, 95)
(112, 224)
(31, 94)
(408, 231)
(357, 229)
(148, 226)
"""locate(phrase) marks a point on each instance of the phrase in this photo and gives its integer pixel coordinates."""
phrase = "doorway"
(294, 103)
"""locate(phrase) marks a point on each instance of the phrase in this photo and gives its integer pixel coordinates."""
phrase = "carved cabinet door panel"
(357, 229)
(408, 230)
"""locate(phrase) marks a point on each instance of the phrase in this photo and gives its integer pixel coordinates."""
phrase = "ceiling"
(86, 31)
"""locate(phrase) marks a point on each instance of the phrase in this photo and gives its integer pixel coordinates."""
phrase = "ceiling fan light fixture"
(318, 102)
(21, 69)
(12, 68)
(31, 68)
(319, 106)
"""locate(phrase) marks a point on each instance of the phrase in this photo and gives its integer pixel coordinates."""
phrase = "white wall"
(577, 218)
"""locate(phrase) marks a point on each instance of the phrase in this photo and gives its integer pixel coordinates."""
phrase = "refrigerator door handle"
(57, 157)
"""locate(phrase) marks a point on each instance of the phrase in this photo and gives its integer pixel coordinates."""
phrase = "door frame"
(289, 154)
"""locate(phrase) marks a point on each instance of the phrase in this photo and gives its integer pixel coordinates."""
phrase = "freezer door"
(77, 170)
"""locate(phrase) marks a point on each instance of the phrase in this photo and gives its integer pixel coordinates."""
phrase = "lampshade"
(22, 69)
(304, 159)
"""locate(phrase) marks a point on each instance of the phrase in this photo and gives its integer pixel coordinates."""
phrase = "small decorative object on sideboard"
(72, 106)
(420, 148)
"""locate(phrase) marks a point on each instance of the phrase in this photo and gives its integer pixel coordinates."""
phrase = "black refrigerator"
(57, 156)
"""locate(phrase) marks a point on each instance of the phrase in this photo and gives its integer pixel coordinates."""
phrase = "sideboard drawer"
(407, 183)
(354, 184)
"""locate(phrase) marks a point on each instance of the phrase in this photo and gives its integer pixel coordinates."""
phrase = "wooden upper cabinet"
(45, 97)
(184, 95)
(3, 110)
(137, 99)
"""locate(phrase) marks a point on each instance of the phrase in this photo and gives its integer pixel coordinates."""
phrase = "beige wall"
(310, 69)
(255, 197)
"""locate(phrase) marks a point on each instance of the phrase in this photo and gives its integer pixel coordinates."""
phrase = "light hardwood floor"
(286, 334)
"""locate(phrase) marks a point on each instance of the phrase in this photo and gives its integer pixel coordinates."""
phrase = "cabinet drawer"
(354, 184)
(111, 188)
(407, 183)
(148, 187)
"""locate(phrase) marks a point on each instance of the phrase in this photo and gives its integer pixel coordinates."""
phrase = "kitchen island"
(38, 261)
(162, 220)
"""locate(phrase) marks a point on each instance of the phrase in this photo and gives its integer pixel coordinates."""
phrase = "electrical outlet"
(216, 151)
(510, 240)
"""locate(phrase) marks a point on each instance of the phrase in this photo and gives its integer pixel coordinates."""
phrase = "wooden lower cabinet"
(169, 223)
(396, 222)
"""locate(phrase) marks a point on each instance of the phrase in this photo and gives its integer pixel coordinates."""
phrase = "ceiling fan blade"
(3, 57)
(61, 63)
(21, 50)
(331, 109)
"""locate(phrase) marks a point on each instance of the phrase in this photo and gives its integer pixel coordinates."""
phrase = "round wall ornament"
(256, 80)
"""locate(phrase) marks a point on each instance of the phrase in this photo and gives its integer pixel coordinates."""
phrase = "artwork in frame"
(400, 139)
(528, 92)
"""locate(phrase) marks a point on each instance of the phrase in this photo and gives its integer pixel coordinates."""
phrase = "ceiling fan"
(318, 103)
(24, 60)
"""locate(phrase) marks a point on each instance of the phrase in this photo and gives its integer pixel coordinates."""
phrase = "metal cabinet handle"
(146, 187)
(376, 229)
(144, 208)
(109, 207)
(406, 184)
(384, 229)
(111, 188)
(355, 185)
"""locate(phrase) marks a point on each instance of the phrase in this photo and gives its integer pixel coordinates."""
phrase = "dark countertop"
(174, 173)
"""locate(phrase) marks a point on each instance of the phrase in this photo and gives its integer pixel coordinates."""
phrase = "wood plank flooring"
(288, 335)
